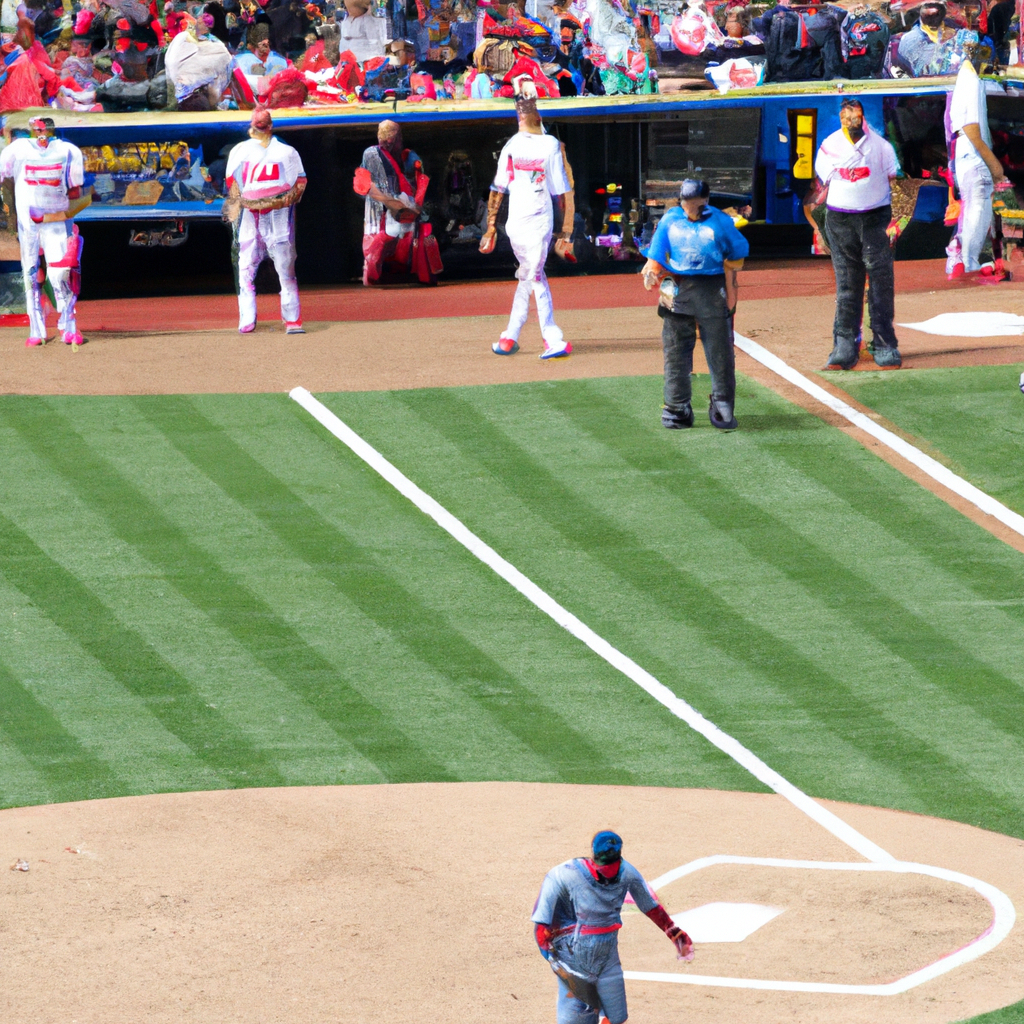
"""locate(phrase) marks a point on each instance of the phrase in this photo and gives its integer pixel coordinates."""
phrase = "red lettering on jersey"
(523, 164)
(269, 172)
(511, 169)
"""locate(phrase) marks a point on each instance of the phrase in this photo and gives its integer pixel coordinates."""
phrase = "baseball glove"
(289, 198)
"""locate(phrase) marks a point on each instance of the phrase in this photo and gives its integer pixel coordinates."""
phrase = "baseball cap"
(607, 847)
(692, 189)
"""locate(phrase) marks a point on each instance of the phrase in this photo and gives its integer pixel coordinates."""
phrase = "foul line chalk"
(1003, 918)
(938, 472)
(547, 604)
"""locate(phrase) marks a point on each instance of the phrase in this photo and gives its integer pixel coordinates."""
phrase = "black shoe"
(677, 419)
(845, 355)
(888, 357)
(720, 413)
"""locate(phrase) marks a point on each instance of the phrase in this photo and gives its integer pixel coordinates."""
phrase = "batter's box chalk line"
(1003, 917)
(877, 859)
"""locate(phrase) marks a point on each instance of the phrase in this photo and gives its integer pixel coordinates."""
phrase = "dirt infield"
(410, 902)
(370, 340)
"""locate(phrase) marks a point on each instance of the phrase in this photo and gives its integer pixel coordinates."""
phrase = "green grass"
(204, 592)
(974, 415)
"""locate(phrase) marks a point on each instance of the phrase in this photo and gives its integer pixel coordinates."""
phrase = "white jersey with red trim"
(42, 175)
(263, 172)
(531, 170)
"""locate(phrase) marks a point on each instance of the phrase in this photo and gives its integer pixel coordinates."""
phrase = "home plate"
(971, 325)
(725, 922)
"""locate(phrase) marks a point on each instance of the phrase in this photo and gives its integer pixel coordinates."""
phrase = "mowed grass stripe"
(132, 661)
(230, 606)
(908, 636)
(367, 582)
(70, 770)
(974, 415)
(821, 695)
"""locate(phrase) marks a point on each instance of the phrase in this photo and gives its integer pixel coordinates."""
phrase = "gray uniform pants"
(596, 956)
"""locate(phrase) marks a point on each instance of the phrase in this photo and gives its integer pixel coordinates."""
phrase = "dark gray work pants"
(860, 249)
(700, 302)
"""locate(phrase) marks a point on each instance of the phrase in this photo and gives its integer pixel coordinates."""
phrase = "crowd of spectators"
(91, 55)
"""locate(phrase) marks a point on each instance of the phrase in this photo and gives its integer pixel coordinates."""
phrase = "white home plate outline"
(1003, 917)
(878, 859)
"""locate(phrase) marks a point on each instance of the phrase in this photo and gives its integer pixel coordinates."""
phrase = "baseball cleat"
(32, 342)
(956, 273)
(992, 275)
(556, 353)
(505, 346)
(73, 338)
(294, 327)
(247, 328)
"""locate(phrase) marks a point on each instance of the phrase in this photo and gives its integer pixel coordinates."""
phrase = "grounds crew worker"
(694, 256)
(855, 165)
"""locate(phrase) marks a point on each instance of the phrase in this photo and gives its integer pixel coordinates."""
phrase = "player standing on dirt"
(577, 918)
(532, 168)
(265, 180)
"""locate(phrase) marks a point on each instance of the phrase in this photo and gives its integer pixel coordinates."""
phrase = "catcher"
(265, 180)
(576, 922)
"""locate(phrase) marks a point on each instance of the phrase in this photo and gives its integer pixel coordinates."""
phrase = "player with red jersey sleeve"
(265, 180)
(48, 174)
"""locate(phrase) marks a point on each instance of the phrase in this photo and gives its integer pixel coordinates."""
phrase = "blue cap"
(694, 189)
(607, 847)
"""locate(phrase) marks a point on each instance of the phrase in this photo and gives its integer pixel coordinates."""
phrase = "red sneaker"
(956, 273)
(247, 328)
(992, 275)
(73, 338)
(505, 346)
(32, 342)
(294, 327)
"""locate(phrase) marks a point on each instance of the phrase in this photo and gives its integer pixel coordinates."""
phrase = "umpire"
(694, 256)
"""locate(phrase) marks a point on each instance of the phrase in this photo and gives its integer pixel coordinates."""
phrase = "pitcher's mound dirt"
(412, 902)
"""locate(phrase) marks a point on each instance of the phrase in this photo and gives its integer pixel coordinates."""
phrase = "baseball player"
(48, 174)
(576, 922)
(265, 178)
(532, 168)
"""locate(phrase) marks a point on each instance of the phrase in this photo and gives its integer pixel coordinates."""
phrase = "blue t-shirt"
(699, 247)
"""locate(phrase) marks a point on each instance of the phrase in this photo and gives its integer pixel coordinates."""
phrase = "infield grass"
(211, 591)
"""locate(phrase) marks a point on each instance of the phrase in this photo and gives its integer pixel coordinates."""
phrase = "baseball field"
(294, 718)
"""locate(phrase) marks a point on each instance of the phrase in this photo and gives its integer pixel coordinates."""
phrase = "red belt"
(589, 929)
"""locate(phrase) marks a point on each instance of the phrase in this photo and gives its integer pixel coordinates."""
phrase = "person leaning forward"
(855, 166)
(694, 255)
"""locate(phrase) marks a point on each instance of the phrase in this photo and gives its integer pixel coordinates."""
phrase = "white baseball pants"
(974, 180)
(51, 240)
(530, 244)
(270, 233)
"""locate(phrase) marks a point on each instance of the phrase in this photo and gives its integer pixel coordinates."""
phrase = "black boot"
(845, 354)
(677, 419)
(720, 413)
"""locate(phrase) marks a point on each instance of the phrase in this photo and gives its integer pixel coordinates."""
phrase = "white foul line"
(1004, 914)
(937, 471)
(547, 604)
(1003, 918)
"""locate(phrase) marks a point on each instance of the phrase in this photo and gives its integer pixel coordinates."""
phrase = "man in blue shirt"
(694, 256)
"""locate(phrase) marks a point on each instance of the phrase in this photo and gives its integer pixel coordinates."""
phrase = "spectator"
(361, 32)
(927, 49)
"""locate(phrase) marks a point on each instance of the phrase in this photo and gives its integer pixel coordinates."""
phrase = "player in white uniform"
(267, 178)
(977, 169)
(48, 175)
(531, 169)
